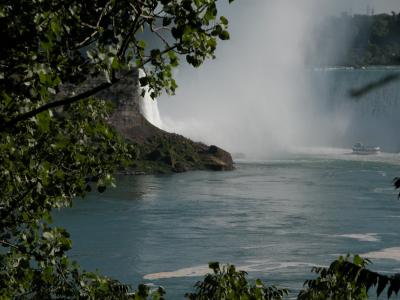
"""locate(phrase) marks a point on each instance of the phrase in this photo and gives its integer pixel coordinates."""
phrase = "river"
(274, 219)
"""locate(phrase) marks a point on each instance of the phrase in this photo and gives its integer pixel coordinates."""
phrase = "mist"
(257, 97)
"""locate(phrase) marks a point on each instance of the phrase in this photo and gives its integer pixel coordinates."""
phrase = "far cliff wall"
(125, 96)
(126, 118)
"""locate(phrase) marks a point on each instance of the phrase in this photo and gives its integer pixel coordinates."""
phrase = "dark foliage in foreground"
(227, 283)
(56, 147)
(346, 279)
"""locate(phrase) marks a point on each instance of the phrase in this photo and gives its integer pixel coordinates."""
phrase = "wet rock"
(180, 168)
(221, 158)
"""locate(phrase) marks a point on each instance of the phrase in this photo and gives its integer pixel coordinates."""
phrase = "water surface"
(275, 219)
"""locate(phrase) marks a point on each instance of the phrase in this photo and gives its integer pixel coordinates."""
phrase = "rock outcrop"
(168, 152)
(155, 150)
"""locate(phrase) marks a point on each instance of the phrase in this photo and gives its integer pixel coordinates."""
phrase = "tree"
(227, 283)
(55, 147)
(346, 279)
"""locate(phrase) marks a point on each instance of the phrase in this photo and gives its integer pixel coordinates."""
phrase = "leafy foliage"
(56, 147)
(345, 279)
(339, 281)
(227, 283)
(47, 43)
(396, 183)
(45, 166)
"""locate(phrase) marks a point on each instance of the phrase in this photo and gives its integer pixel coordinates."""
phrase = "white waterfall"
(148, 106)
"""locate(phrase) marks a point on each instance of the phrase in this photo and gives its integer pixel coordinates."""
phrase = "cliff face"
(155, 150)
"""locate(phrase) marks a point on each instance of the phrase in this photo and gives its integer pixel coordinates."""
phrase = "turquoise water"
(274, 219)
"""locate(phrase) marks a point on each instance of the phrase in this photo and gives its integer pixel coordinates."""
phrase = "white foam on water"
(321, 150)
(387, 253)
(268, 267)
(333, 68)
(254, 266)
(380, 190)
(346, 154)
(185, 272)
(312, 154)
(366, 237)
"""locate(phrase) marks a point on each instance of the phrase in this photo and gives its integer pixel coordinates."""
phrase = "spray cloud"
(257, 97)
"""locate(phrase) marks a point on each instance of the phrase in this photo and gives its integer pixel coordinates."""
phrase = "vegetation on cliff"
(167, 153)
(358, 40)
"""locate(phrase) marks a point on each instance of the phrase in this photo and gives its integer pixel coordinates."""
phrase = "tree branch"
(62, 102)
(86, 40)
(155, 31)
(8, 244)
(103, 12)
(357, 93)
(125, 43)
(95, 27)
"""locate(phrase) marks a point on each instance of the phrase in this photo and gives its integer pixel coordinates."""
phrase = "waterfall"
(148, 106)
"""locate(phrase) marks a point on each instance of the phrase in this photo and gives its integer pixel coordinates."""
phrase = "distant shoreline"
(367, 67)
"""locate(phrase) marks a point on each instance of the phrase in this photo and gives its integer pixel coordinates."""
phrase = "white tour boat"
(359, 148)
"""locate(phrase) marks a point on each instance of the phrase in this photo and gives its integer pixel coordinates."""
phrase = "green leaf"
(101, 188)
(143, 81)
(224, 35)
(48, 235)
(115, 63)
(224, 20)
(166, 21)
(43, 121)
(214, 266)
(358, 260)
(142, 44)
(382, 282)
(55, 26)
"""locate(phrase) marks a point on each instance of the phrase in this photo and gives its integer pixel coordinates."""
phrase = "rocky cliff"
(154, 150)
